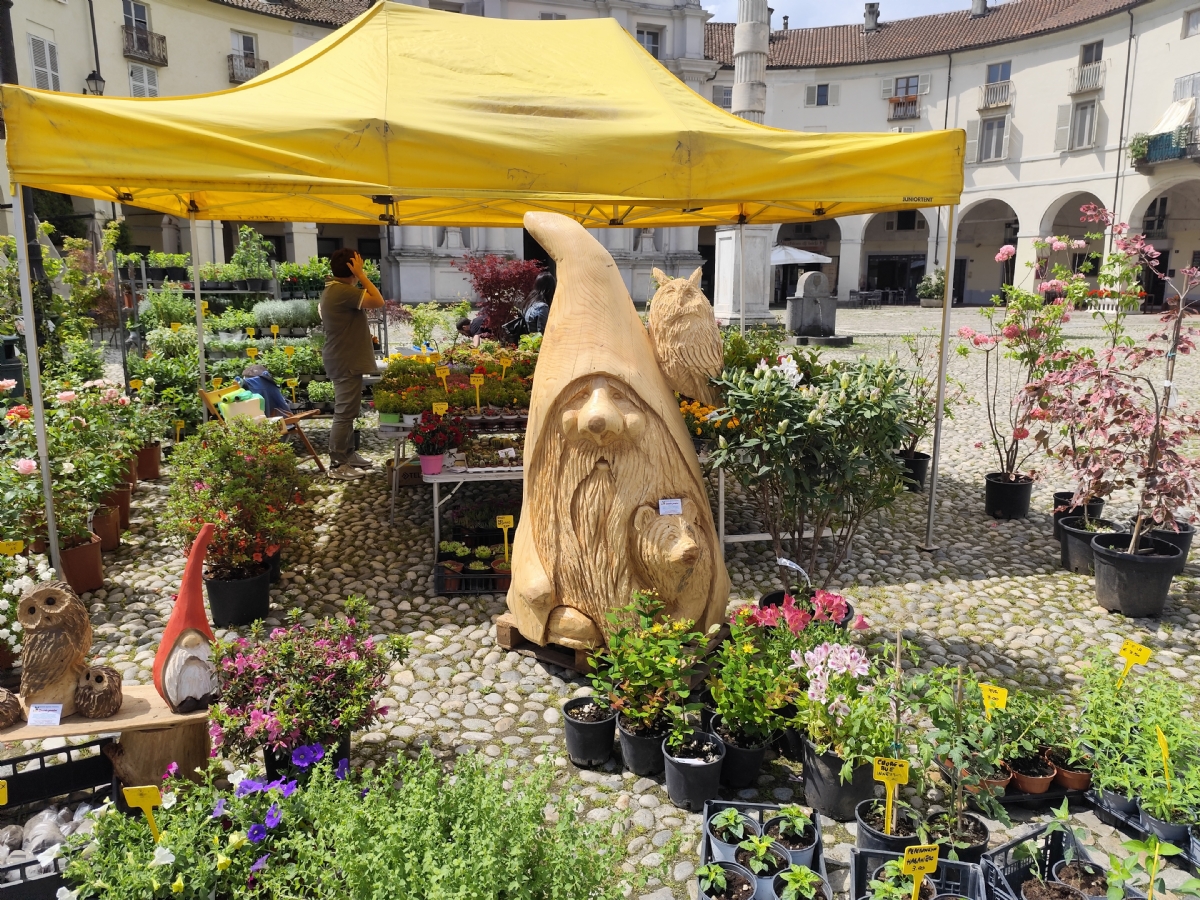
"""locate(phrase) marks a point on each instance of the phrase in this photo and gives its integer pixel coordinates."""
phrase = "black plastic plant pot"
(1181, 539)
(1133, 584)
(1075, 541)
(692, 782)
(1118, 803)
(916, 468)
(823, 787)
(1073, 892)
(1007, 496)
(278, 763)
(1062, 498)
(733, 872)
(1091, 868)
(742, 764)
(589, 744)
(723, 851)
(1166, 831)
(239, 601)
(642, 754)
(869, 838)
(708, 709)
(800, 856)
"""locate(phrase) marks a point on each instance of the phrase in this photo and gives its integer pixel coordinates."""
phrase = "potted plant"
(889, 882)
(412, 403)
(1109, 712)
(502, 568)
(452, 570)
(321, 394)
(921, 352)
(726, 881)
(799, 882)
(388, 405)
(764, 858)
(589, 728)
(794, 829)
(240, 477)
(727, 828)
(433, 436)
(644, 675)
(1025, 331)
(693, 760)
(1026, 726)
(325, 680)
(1037, 886)
(252, 258)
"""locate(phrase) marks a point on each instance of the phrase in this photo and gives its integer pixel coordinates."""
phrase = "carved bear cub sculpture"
(605, 443)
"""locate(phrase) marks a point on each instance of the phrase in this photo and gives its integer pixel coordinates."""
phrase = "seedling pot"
(868, 838)
(1062, 498)
(643, 754)
(589, 744)
(1166, 831)
(239, 601)
(800, 856)
(916, 468)
(1075, 541)
(742, 764)
(722, 851)
(823, 787)
(691, 782)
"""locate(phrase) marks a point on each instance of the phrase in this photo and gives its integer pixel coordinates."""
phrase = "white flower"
(168, 799)
(47, 856)
(4, 604)
(16, 626)
(237, 777)
(16, 648)
(64, 894)
(162, 856)
(5, 633)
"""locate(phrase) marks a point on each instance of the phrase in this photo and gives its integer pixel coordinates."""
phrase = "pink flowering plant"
(301, 685)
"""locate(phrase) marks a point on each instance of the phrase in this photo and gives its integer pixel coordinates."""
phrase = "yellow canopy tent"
(466, 121)
(424, 117)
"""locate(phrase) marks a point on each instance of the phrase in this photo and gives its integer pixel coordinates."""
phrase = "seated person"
(475, 328)
(259, 380)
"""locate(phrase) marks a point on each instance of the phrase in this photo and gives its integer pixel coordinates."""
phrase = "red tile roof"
(326, 13)
(847, 45)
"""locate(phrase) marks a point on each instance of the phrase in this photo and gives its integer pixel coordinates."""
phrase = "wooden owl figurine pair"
(57, 639)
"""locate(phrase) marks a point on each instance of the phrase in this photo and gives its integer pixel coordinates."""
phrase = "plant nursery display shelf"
(142, 709)
(458, 479)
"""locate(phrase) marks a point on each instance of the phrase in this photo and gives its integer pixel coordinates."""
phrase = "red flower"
(19, 412)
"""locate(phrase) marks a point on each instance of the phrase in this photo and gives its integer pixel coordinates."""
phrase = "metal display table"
(399, 434)
(458, 479)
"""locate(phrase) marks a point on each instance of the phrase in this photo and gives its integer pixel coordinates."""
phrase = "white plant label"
(670, 507)
(507, 453)
(45, 715)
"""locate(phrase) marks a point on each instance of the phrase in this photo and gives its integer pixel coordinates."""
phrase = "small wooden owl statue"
(10, 708)
(58, 637)
(98, 694)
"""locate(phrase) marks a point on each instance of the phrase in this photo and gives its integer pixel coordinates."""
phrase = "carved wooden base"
(141, 757)
(509, 637)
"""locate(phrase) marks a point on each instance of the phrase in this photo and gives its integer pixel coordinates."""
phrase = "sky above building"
(810, 13)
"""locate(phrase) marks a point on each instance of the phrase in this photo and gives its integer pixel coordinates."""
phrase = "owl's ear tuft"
(694, 278)
(660, 276)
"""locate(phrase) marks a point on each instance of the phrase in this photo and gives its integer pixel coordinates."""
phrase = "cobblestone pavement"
(992, 597)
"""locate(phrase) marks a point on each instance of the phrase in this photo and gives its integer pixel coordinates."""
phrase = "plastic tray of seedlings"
(1015, 798)
(1131, 824)
(761, 813)
(47, 799)
(1005, 870)
(953, 879)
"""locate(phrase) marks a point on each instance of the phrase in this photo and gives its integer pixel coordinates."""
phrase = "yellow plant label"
(217, 382)
(3, 793)
(441, 371)
(145, 799)
(179, 426)
(292, 382)
(250, 331)
(11, 548)
(477, 378)
(275, 330)
(1134, 654)
(252, 352)
(994, 697)
(1166, 755)
(434, 356)
(289, 351)
(504, 521)
(204, 307)
(175, 326)
(135, 383)
(920, 860)
(893, 773)
(439, 409)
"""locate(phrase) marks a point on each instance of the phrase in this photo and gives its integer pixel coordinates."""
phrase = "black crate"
(1004, 874)
(1131, 824)
(760, 813)
(34, 780)
(961, 879)
(448, 584)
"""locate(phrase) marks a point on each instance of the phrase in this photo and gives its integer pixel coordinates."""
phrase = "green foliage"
(174, 382)
(759, 857)
(173, 344)
(747, 686)
(800, 883)
(892, 884)
(165, 305)
(529, 342)
(252, 258)
(233, 319)
(1139, 146)
(1144, 866)
(428, 316)
(712, 878)
(408, 829)
(933, 285)
(388, 402)
(159, 260)
(748, 350)
(320, 391)
(920, 374)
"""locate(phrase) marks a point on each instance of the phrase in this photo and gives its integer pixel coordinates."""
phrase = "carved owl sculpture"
(98, 694)
(10, 708)
(687, 342)
(58, 636)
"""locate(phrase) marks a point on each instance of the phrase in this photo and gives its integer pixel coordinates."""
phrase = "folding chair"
(289, 423)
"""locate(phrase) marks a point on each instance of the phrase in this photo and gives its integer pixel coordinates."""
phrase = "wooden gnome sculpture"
(184, 674)
(58, 636)
(605, 443)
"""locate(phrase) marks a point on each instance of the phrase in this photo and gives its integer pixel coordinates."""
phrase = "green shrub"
(232, 320)
(388, 402)
(320, 391)
(253, 254)
(166, 305)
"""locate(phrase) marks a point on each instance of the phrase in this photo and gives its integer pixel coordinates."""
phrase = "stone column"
(850, 267)
(209, 238)
(758, 282)
(300, 241)
(750, 42)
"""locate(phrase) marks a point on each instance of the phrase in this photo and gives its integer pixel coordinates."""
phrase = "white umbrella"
(789, 256)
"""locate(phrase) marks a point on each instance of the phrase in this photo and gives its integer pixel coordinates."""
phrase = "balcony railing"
(145, 46)
(1087, 78)
(904, 108)
(1165, 147)
(242, 68)
(999, 93)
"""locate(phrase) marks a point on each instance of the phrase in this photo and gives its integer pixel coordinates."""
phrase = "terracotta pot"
(1029, 784)
(82, 566)
(118, 498)
(106, 523)
(149, 462)
(1070, 779)
(131, 474)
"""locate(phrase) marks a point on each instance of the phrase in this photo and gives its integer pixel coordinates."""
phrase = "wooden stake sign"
(920, 861)
(443, 373)
(1134, 654)
(145, 799)
(504, 523)
(505, 361)
(439, 409)
(179, 426)
(993, 698)
(292, 382)
(477, 382)
(893, 773)
(252, 352)
(11, 548)
(175, 326)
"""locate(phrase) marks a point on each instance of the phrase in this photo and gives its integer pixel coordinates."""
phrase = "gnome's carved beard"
(592, 499)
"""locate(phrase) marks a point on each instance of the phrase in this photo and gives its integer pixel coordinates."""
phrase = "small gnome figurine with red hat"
(184, 674)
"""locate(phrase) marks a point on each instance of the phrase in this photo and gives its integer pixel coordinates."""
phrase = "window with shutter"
(972, 151)
(723, 96)
(885, 88)
(992, 133)
(1062, 127)
(835, 94)
(1083, 125)
(810, 95)
(44, 56)
(923, 84)
(143, 81)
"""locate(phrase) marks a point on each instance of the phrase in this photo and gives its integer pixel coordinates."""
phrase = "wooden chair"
(289, 423)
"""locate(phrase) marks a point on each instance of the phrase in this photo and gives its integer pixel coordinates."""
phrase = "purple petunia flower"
(219, 809)
(273, 816)
(288, 789)
(318, 752)
(246, 787)
(260, 863)
(272, 785)
(302, 757)
(342, 770)
(256, 833)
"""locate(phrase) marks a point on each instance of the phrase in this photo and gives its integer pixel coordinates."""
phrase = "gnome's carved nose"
(600, 416)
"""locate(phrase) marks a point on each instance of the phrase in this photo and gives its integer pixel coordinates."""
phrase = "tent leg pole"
(35, 374)
(199, 308)
(741, 264)
(943, 352)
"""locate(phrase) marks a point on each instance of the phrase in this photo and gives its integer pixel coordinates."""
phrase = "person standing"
(348, 355)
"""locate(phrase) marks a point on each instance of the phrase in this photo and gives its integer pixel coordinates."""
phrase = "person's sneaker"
(345, 472)
(359, 462)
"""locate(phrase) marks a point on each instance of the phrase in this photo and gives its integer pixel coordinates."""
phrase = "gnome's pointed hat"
(189, 613)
